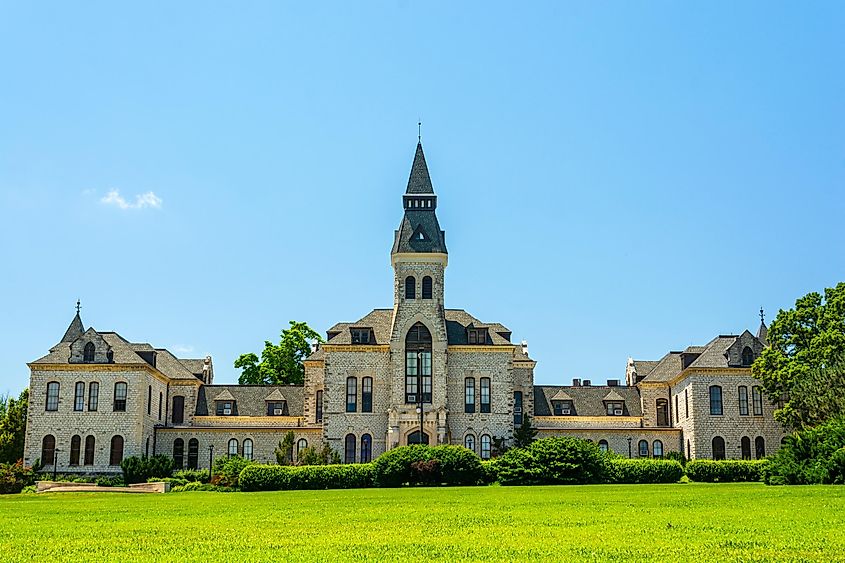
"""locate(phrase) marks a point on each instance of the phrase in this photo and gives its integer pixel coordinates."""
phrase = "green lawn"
(683, 522)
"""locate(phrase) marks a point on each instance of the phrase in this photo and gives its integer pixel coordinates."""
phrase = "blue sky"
(615, 179)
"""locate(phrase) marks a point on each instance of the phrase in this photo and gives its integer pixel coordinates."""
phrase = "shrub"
(426, 472)
(553, 461)
(115, 481)
(456, 465)
(642, 471)
(139, 469)
(393, 468)
(812, 456)
(228, 469)
(489, 472)
(725, 471)
(197, 486)
(200, 475)
(306, 477)
(174, 482)
(14, 477)
(676, 456)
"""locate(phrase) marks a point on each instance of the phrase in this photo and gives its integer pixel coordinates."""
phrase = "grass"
(692, 522)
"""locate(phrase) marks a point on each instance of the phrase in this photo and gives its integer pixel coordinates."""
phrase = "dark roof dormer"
(419, 230)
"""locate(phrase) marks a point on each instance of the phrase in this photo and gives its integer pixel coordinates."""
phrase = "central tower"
(418, 333)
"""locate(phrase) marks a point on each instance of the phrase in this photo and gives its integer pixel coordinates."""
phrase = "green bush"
(228, 469)
(139, 469)
(676, 456)
(393, 468)
(456, 465)
(552, 461)
(812, 456)
(306, 477)
(115, 481)
(725, 471)
(489, 472)
(643, 471)
(197, 486)
(14, 477)
(174, 482)
(199, 475)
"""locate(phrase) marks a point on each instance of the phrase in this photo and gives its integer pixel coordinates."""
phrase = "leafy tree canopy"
(13, 426)
(525, 434)
(282, 363)
(803, 366)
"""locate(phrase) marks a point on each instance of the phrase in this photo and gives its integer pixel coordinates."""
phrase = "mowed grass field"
(683, 522)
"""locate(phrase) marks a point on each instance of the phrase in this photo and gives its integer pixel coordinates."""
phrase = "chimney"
(613, 383)
(525, 347)
(576, 383)
(587, 383)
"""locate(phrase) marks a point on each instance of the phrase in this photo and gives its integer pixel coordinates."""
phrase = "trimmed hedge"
(553, 461)
(455, 465)
(725, 471)
(139, 469)
(306, 477)
(643, 471)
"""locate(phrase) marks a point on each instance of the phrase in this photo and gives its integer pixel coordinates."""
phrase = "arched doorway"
(414, 438)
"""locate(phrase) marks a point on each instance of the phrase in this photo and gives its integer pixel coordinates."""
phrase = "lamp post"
(629, 447)
(55, 462)
(210, 461)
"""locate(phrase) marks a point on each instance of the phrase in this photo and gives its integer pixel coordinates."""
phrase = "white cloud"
(182, 349)
(148, 199)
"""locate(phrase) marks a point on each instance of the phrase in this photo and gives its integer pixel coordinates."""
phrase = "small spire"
(762, 316)
(419, 130)
(75, 329)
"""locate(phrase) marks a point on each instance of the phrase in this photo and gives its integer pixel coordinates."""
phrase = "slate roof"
(419, 182)
(250, 399)
(419, 220)
(644, 367)
(586, 401)
(74, 330)
(714, 355)
(380, 320)
(667, 368)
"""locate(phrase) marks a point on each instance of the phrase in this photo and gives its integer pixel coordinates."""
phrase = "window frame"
(79, 397)
(604, 446)
(89, 352)
(662, 412)
(248, 448)
(367, 394)
(116, 450)
(655, 445)
(178, 453)
(716, 404)
(90, 450)
(351, 394)
(485, 398)
(120, 399)
(193, 454)
(48, 449)
(719, 452)
(93, 396)
(642, 451)
(229, 447)
(366, 448)
(318, 415)
(427, 287)
(742, 391)
(52, 396)
(178, 410)
(759, 447)
(469, 442)
(469, 395)
(410, 288)
(745, 448)
(75, 447)
(349, 443)
(518, 416)
(486, 446)
(757, 400)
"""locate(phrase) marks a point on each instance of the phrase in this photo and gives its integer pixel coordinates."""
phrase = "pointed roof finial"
(75, 329)
(762, 316)
(78, 306)
(419, 130)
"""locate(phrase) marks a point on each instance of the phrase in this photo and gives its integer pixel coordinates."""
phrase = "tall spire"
(75, 330)
(420, 181)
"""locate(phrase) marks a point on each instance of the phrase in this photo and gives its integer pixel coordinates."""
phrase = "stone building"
(417, 372)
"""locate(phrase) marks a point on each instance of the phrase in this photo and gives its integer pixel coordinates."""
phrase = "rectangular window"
(93, 396)
(715, 400)
(469, 395)
(411, 377)
(757, 400)
(178, 414)
(471, 337)
(149, 400)
(277, 409)
(686, 403)
(517, 408)
(351, 394)
(676, 409)
(120, 392)
(319, 406)
(52, 396)
(367, 394)
(225, 408)
(743, 400)
(360, 336)
(563, 408)
(485, 394)
(615, 408)
(79, 397)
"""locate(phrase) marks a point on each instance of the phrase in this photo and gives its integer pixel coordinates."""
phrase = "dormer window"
(477, 335)
(88, 353)
(615, 408)
(362, 336)
(563, 408)
(747, 356)
(226, 408)
(277, 408)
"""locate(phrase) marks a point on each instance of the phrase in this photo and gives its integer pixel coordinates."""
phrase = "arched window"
(232, 448)
(715, 400)
(116, 450)
(469, 442)
(418, 365)
(469, 395)
(52, 396)
(319, 405)
(410, 287)
(301, 444)
(178, 453)
(484, 392)
(757, 401)
(120, 396)
(416, 438)
(79, 396)
(48, 450)
(662, 412)
(193, 453)
(745, 447)
(149, 400)
(366, 448)
(178, 416)
(349, 449)
(603, 446)
(75, 445)
(88, 353)
(426, 287)
(93, 396)
(718, 447)
(89, 450)
(743, 400)
(367, 394)
(517, 408)
(759, 447)
(657, 448)
(643, 448)
(351, 394)
(486, 446)
(248, 448)
(747, 356)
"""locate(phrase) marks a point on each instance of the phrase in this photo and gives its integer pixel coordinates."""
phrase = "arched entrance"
(414, 438)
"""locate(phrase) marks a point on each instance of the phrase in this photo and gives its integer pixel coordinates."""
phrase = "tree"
(525, 434)
(802, 370)
(284, 451)
(280, 364)
(13, 427)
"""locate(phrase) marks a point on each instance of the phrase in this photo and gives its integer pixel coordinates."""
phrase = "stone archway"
(415, 438)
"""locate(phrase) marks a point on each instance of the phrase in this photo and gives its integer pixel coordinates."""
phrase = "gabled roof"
(668, 367)
(613, 395)
(419, 182)
(561, 395)
(275, 395)
(224, 395)
(250, 399)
